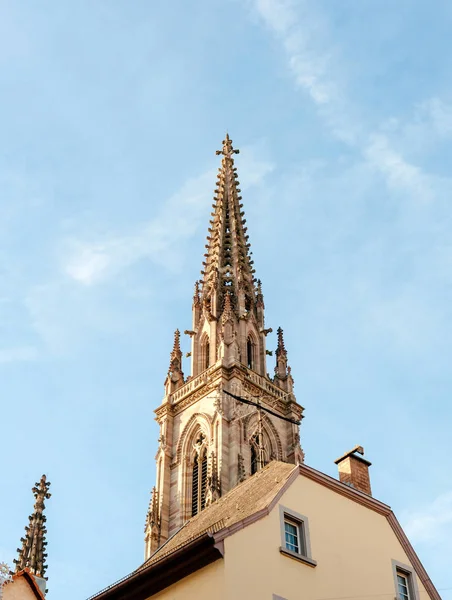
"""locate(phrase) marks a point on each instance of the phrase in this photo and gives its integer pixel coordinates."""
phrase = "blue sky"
(110, 114)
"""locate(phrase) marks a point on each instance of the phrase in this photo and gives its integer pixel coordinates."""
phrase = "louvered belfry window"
(203, 480)
(194, 493)
(199, 480)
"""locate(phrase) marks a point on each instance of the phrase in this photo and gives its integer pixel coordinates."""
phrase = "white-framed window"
(403, 586)
(295, 539)
(405, 581)
(294, 535)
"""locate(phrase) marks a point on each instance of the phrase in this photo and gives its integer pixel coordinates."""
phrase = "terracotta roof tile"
(244, 500)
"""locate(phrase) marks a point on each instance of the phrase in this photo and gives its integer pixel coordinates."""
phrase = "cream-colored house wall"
(18, 590)
(208, 583)
(353, 546)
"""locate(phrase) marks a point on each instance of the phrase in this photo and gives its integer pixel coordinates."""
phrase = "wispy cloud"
(315, 65)
(91, 262)
(308, 66)
(398, 172)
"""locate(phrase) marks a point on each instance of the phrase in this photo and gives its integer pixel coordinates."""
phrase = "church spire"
(206, 446)
(32, 554)
(228, 305)
(228, 265)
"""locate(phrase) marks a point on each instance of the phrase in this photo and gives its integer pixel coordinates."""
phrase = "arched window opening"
(207, 355)
(199, 477)
(195, 486)
(258, 460)
(247, 303)
(203, 480)
(249, 353)
(205, 352)
(253, 459)
(159, 475)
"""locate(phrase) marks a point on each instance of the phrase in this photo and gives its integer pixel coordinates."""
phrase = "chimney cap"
(352, 452)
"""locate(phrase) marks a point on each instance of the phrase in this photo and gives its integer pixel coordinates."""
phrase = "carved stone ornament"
(218, 402)
(241, 468)
(162, 441)
(200, 443)
(213, 483)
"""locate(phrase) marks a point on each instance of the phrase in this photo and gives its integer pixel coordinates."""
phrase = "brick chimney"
(354, 470)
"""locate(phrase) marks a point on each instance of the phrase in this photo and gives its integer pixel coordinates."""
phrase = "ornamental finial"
(227, 149)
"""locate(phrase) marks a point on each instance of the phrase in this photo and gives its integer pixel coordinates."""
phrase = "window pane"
(402, 584)
(291, 536)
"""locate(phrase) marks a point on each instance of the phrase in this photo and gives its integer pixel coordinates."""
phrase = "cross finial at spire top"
(227, 149)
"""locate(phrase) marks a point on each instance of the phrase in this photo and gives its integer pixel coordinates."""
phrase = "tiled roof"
(244, 500)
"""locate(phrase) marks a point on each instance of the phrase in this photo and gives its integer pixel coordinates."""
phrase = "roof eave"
(146, 582)
(28, 576)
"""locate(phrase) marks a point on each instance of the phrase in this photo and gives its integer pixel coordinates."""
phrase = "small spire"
(175, 365)
(196, 298)
(152, 525)
(281, 349)
(259, 287)
(32, 554)
(152, 516)
(259, 294)
(175, 375)
(283, 377)
(176, 345)
(227, 309)
(213, 483)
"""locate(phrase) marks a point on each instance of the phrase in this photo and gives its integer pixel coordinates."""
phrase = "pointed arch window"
(205, 353)
(253, 459)
(256, 461)
(249, 353)
(199, 477)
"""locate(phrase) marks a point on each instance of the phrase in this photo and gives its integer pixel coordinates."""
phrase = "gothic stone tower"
(207, 440)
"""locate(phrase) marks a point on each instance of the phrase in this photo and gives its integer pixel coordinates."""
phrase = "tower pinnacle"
(283, 377)
(175, 376)
(32, 554)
